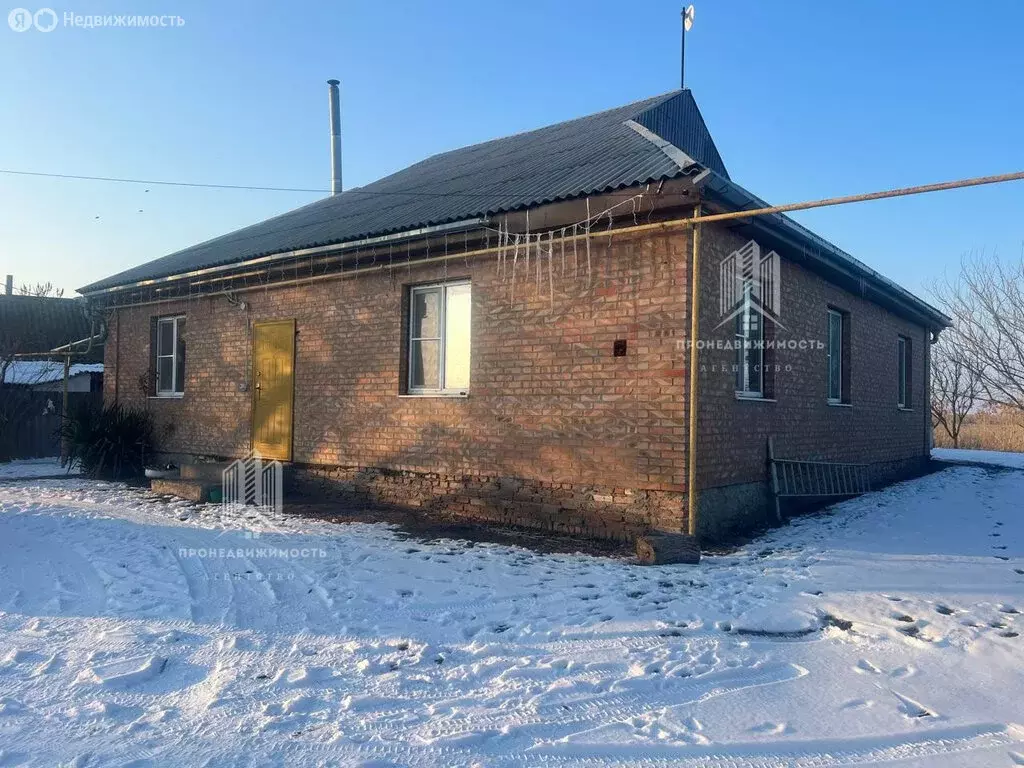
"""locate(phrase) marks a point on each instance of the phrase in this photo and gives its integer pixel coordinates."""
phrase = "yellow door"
(273, 359)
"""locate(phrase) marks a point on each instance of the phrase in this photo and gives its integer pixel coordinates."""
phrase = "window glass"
(165, 346)
(835, 356)
(424, 365)
(170, 356)
(901, 361)
(179, 363)
(749, 349)
(164, 374)
(456, 337)
(426, 312)
(439, 337)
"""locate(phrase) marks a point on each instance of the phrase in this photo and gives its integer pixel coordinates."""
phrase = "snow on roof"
(42, 371)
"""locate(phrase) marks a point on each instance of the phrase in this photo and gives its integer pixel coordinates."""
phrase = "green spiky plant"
(112, 443)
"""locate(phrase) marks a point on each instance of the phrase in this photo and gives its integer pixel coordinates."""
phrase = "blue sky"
(805, 100)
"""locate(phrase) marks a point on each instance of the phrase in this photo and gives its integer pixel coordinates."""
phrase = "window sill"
(839, 405)
(176, 396)
(754, 398)
(904, 409)
(448, 395)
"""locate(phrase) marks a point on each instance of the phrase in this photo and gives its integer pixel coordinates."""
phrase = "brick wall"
(596, 442)
(871, 429)
(556, 432)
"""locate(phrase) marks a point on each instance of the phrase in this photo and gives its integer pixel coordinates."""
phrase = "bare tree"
(956, 388)
(986, 303)
(41, 290)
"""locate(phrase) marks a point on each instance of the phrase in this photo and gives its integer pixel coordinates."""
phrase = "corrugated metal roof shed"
(578, 157)
(45, 371)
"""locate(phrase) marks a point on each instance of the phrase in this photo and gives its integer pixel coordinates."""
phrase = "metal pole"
(682, 48)
(64, 407)
(900, 192)
(691, 481)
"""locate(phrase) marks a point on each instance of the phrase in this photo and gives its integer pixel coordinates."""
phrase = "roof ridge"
(649, 103)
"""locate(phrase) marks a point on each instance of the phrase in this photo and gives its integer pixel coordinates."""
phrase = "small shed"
(51, 353)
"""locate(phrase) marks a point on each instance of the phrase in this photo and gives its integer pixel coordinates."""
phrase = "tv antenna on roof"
(687, 26)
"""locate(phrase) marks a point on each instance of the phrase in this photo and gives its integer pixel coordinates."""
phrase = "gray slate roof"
(584, 156)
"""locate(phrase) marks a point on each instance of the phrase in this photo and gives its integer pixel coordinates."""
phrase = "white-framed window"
(836, 372)
(170, 356)
(439, 338)
(749, 349)
(903, 369)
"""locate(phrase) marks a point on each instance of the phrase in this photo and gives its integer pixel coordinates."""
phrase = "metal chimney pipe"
(335, 103)
(10, 285)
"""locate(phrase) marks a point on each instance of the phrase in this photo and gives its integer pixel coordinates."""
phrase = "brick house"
(503, 331)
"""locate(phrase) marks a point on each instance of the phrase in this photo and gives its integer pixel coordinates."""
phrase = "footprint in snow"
(772, 729)
(910, 708)
(903, 672)
(9, 706)
(854, 704)
(866, 666)
(912, 631)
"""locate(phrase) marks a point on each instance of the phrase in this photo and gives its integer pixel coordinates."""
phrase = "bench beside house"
(393, 345)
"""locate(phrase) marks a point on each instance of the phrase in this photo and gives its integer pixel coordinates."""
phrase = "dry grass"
(988, 431)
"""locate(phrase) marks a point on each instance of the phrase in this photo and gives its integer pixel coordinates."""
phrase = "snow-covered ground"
(139, 632)
(1000, 458)
(31, 468)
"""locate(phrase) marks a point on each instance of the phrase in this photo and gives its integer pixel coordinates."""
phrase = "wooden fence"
(29, 421)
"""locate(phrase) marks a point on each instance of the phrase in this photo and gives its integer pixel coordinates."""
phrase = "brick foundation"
(596, 512)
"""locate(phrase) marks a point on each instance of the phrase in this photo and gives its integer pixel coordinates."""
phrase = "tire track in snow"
(559, 719)
(204, 606)
(817, 753)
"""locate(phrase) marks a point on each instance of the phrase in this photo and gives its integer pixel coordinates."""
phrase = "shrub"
(110, 443)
